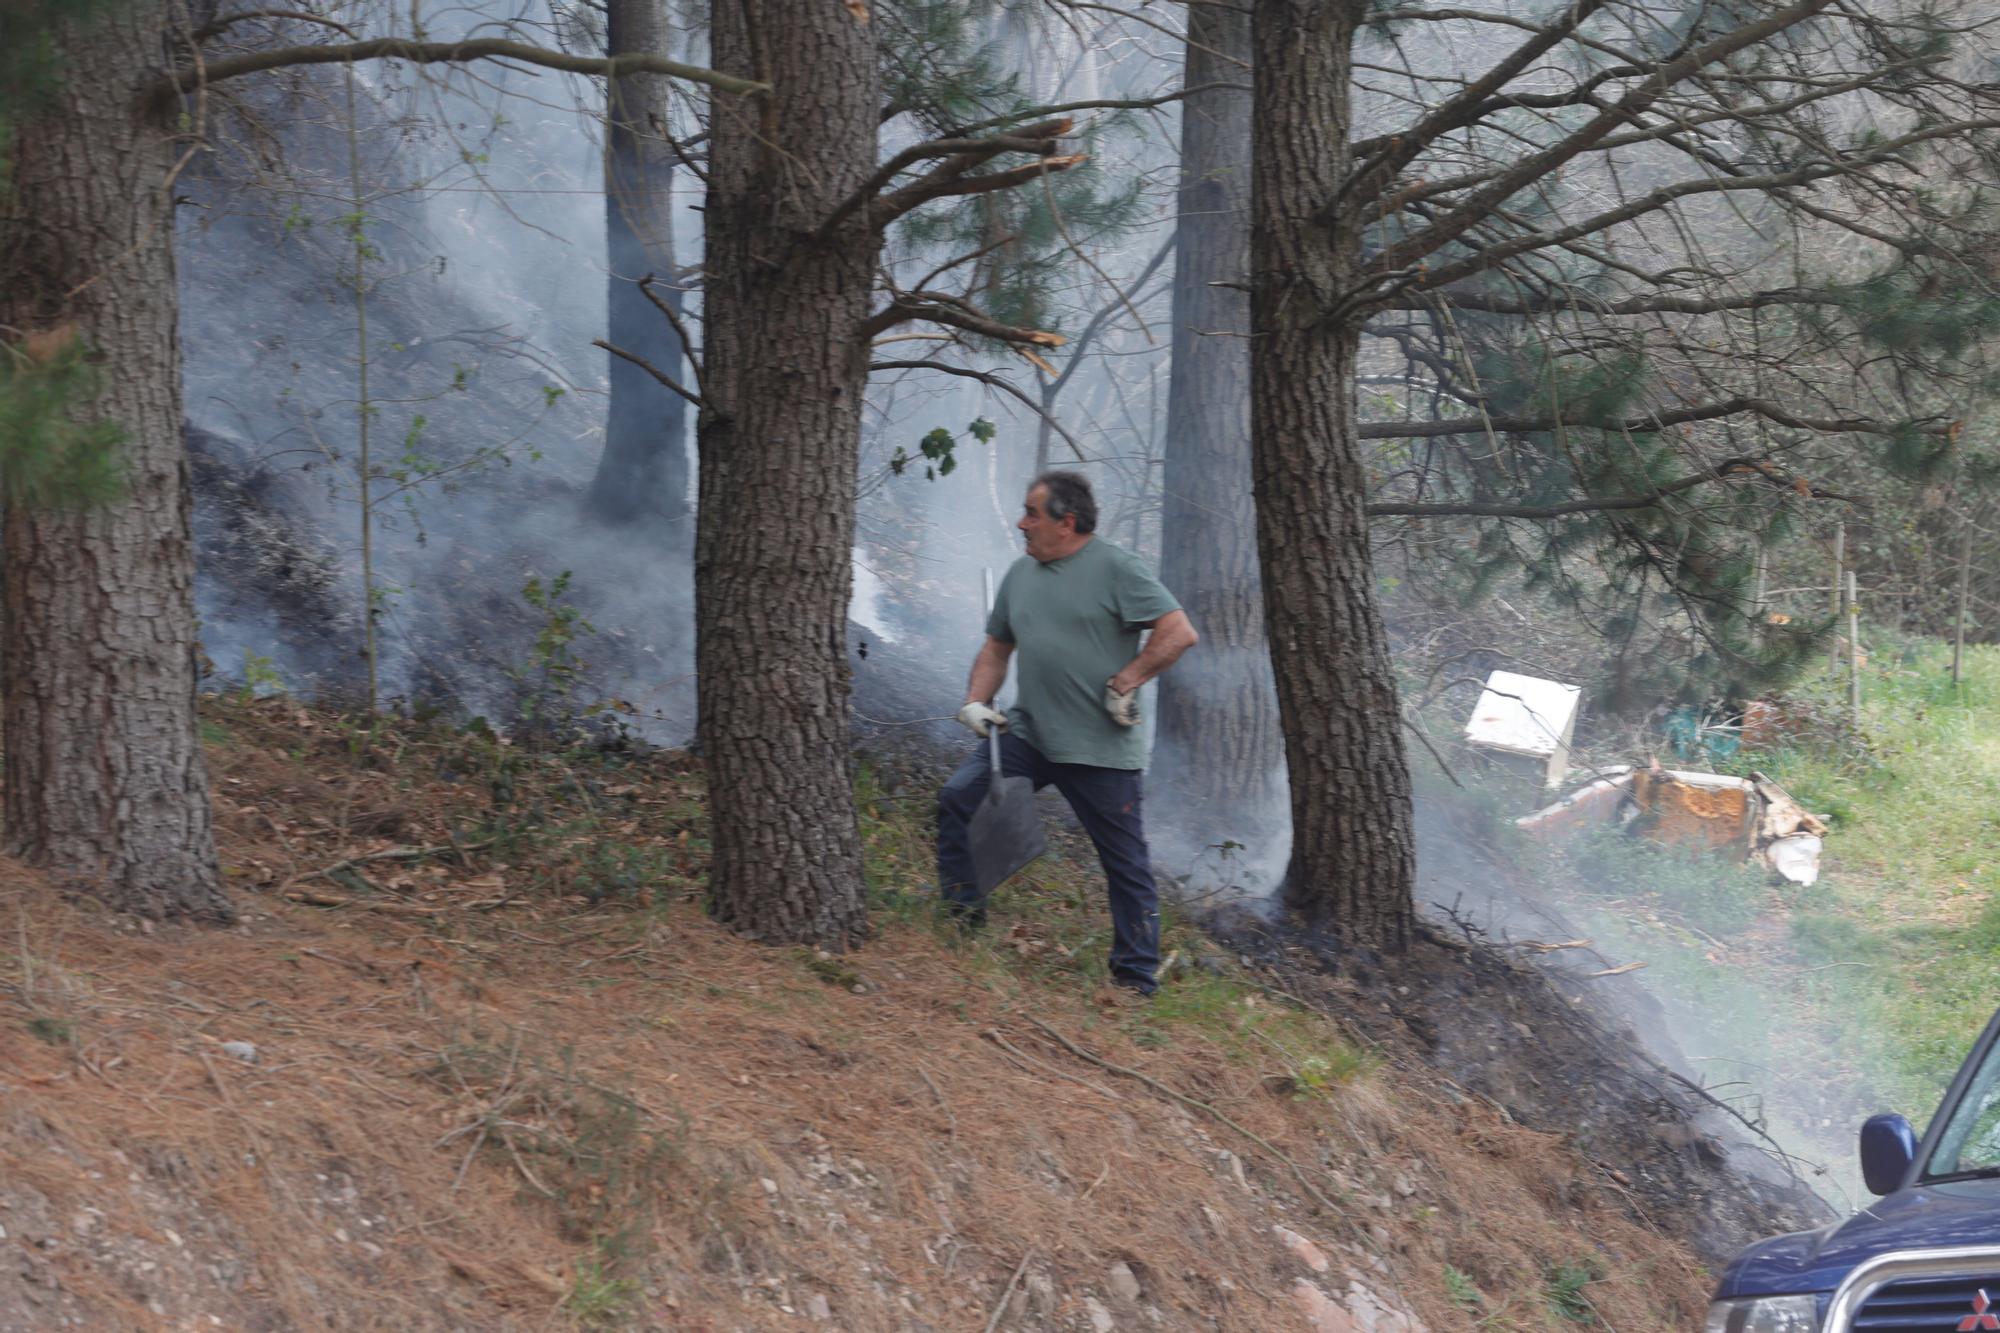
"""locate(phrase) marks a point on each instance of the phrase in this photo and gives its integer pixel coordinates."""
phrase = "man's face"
(1048, 539)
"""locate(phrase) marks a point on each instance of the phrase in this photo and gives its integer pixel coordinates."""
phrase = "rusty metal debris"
(1714, 812)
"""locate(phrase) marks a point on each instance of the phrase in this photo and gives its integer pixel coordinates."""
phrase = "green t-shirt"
(1074, 624)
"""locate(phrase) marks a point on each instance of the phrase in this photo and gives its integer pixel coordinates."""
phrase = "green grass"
(1049, 927)
(1905, 921)
(1565, 1286)
(599, 1300)
(1869, 985)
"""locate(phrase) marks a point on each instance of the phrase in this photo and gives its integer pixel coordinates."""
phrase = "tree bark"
(104, 779)
(785, 367)
(642, 475)
(1219, 752)
(1353, 847)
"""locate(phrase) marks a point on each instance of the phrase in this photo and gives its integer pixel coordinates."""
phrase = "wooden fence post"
(1964, 585)
(1853, 652)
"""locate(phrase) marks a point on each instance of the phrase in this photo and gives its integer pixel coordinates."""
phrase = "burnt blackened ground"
(1538, 1044)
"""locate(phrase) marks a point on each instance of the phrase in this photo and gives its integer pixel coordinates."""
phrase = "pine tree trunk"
(1353, 849)
(642, 475)
(785, 369)
(104, 779)
(1219, 752)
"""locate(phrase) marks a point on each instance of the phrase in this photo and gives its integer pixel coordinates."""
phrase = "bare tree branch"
(1037, 139)
(963, 153)
(1488, 303)
(1536, 166)
(651, 369)
(955, 312)
(1728, 469)
(189, 77)
(1402, 149)
(1102, 104)
(993, 381)
(228, 21)
(1488, 257)
(1583, 94)
(646, 285)
(1679, 416)
(891, 207)
(1097, 321)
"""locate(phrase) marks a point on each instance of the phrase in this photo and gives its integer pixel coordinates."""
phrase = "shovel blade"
(1006, 832)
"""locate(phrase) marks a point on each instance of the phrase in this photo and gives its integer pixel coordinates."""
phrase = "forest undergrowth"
(476, 1057)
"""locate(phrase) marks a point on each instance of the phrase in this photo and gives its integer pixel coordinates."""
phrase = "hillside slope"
(512, 1078)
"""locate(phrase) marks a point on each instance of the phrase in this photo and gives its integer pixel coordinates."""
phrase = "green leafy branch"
(939, 449)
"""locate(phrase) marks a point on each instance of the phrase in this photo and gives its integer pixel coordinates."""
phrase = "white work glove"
(1124, 708)
(978, 717)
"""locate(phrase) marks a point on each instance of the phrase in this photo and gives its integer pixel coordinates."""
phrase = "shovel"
(1006, 831)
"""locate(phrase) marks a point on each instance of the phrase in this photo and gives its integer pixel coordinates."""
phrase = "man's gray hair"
(1069, 493)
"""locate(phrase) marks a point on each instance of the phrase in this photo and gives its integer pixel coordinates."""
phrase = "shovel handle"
(992, 733)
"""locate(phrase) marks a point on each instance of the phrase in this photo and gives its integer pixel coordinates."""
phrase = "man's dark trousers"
(1107, 804)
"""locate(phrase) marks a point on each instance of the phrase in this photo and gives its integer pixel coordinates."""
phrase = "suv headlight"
(1764, 1314)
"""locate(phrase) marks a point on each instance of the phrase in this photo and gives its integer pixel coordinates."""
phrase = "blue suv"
(1926, 1259)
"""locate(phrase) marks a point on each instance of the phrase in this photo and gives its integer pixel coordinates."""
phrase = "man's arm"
(1173, 634)
(989, 670)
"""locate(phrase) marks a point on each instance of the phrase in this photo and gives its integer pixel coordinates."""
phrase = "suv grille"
(1928, 1305)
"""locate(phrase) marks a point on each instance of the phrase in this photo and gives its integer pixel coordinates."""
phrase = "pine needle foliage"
(48, 459)
(1023, 279)
(946, 64)
(938, 65)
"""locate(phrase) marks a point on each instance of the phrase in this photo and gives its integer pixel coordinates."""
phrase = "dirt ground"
(455, 1103)
(1544, 1044)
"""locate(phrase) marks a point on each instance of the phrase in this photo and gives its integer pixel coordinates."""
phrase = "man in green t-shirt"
(1071, 614)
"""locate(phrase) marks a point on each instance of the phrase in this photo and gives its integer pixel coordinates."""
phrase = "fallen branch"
(406, 854)
(388, 906)
(368, 970)
(943, 1105)
(1198, 1105)
(229, 1103)
(1030, 1061)
(999, 1306)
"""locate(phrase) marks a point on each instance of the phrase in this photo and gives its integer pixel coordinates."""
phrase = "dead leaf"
(858, 9)
(41, 346)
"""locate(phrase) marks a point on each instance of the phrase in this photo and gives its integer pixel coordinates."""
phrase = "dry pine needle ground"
(503, 1105)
